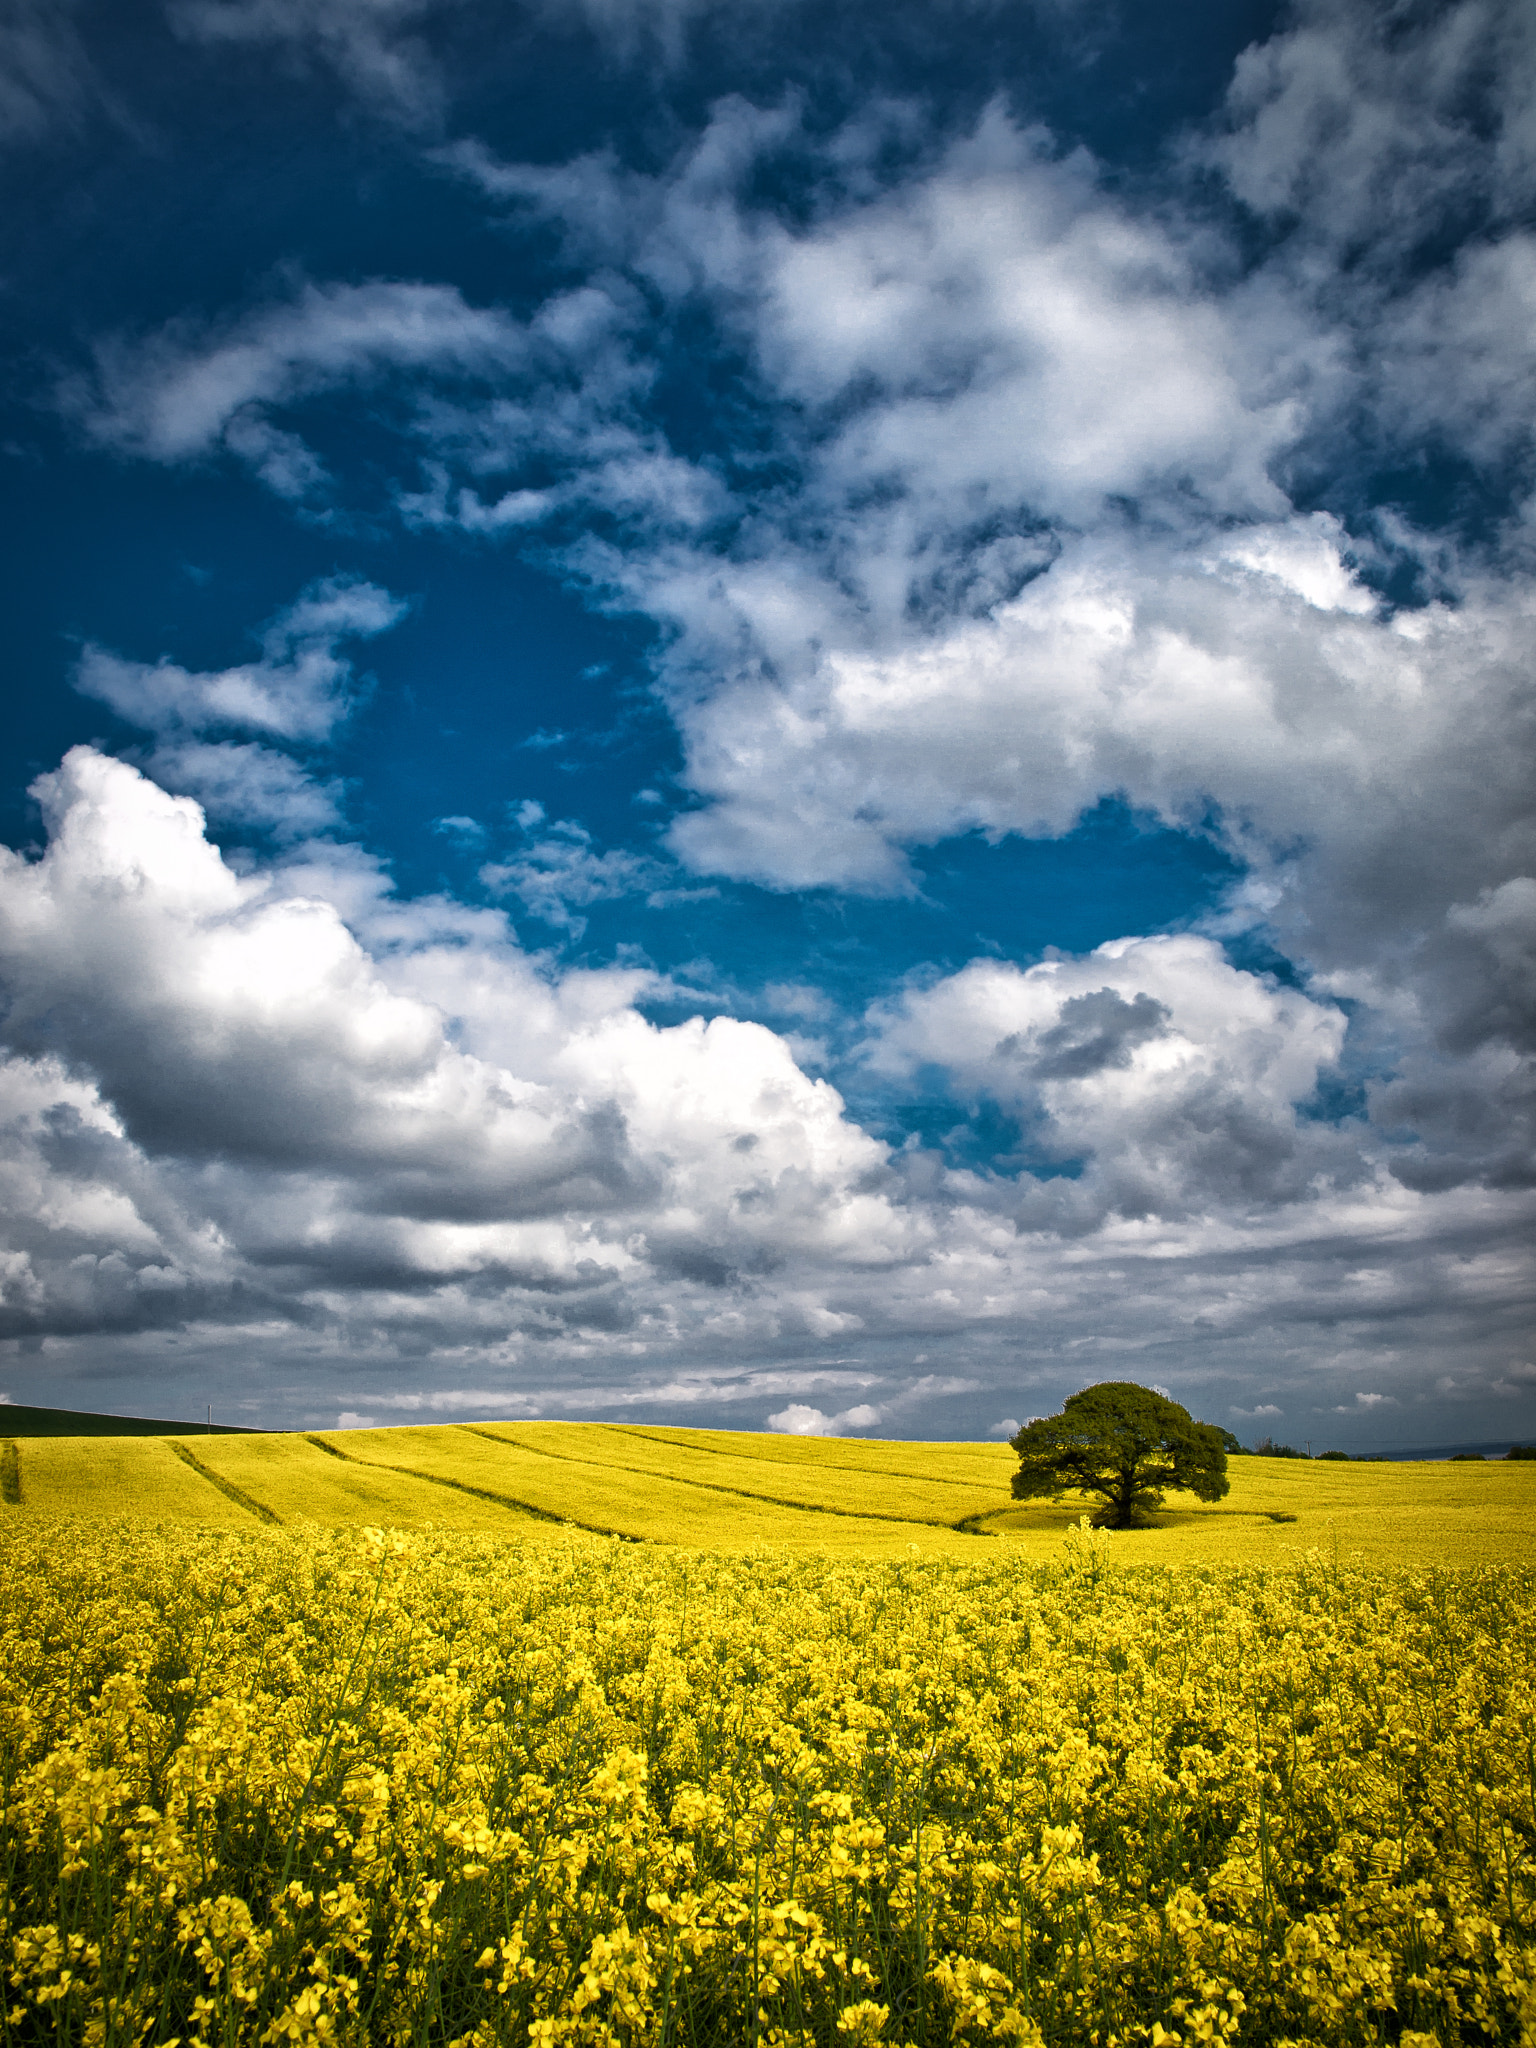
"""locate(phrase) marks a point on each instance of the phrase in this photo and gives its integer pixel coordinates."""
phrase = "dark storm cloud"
(1096, 1031)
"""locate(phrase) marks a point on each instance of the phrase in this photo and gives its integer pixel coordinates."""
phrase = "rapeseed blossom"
(305, 1787)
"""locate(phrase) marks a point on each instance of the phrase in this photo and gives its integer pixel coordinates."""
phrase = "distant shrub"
(1468, 1458)
(1266, 1447)
(1333, 1457)
(1521, 1451)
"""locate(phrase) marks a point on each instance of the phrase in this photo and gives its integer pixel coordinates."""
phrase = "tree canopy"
(1125, 1444)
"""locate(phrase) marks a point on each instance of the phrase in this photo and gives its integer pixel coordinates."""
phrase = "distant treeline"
(1268, 1448)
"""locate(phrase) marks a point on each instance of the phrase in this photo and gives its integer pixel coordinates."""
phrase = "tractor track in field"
(825, 1465)
(225, 1486)
(500, 1500)
(800, 1507)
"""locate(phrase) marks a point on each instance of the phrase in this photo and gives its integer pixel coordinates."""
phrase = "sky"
(767, 716)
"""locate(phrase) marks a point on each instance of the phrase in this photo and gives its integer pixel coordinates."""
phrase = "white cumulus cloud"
(299, 689)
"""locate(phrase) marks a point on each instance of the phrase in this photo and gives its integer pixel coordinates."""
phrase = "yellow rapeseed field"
(291, 1785)
(732, 1491)
(371, 1738)
(115, 1475)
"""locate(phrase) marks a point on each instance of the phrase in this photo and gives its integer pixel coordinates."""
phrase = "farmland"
(363, 1738)
(735, 1492)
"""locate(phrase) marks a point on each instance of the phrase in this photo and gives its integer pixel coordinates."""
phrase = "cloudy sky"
(813, 718)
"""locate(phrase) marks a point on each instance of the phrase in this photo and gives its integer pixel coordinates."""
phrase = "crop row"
(734, 1491)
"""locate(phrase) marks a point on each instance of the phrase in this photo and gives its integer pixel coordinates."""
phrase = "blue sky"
(817, 719)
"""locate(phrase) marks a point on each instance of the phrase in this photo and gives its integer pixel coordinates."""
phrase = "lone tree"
(1125, 1444)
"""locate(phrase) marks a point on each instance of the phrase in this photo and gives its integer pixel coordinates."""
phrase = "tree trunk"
(1122, 1508)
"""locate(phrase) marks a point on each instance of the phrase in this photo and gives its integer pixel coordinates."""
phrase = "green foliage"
(1124, 1444)
(1521, 1451)
(21, 1420)
(1266, 1447)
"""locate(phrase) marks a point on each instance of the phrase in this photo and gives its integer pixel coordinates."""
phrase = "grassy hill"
(18, 1420)
(733, 1492)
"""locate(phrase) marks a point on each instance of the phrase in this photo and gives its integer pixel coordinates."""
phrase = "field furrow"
(934, 1464)
(110, 1476)
(655, 1507)
(821, 1487)
(298, 1479)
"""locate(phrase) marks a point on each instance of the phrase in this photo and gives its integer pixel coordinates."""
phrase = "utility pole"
(210, 1419)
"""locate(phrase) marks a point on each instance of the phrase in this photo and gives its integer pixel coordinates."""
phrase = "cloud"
(47, 81)
(1096, 1031)
(180, 394)
(995, 336)
(712, 1387)
(1368, 134)
(300, 689)
(1008, 1427)
(283, 1115)
(98, 1238)
(1306, 556)
(463, 831)
(949, 625)
(1402, 154)
(478, 401)
(388, 53)
(1000, 300)
(558, 871)
(1475, 315)
(1128, 669)
(799, 1420)
(369, 44)
(1364, 770)
(1172, 1078)
(1057, 491)
(555, 1145)
(1004, 302)
(249, 787)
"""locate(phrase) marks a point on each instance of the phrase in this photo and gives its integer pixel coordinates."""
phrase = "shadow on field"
(1056, 1520)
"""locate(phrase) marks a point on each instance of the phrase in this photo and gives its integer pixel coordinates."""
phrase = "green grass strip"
(10, 1473)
